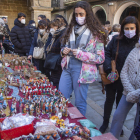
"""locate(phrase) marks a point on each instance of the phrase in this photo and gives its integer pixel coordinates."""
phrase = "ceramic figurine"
(20, 108)
(39, 137)
(41, 103)
(1, 99)
(13, 109)
(56, 136)
(47, 107)
(32, 109)
(43, 108)
(27, 108)
(49, 137)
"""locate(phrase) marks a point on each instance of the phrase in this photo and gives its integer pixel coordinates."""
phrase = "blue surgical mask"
(129, 33)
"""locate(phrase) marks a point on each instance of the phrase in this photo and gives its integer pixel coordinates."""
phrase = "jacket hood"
(18, 23)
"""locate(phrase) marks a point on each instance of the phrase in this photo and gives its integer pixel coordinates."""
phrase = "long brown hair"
(129, 20)
(92, 22)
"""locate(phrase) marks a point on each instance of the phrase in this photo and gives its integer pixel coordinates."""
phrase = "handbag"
(53, 61)
(39, 53)
(104, 79)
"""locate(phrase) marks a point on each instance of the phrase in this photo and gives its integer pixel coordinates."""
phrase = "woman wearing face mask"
(127, 38)
(32, 28)
(83, 48)
(40, 38)
(53, 47)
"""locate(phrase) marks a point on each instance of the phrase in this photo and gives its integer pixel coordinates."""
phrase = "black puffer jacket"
(32, 31)
(20, 37)
(125, 47)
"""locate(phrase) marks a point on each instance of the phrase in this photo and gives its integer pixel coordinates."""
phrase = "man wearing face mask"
(20, 35)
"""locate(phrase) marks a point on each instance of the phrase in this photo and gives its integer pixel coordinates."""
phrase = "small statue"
(13, 109)
(32, 109)
(56, 136)
(49, 137)
(43, 108)
(20, 108)
(39, 137)
(41, 103)
(47, 107)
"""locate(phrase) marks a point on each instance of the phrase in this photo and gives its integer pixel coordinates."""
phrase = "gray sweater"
(130, 75)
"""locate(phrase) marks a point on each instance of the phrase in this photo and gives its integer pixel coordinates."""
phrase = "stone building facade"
(32, 8)
(113, 10)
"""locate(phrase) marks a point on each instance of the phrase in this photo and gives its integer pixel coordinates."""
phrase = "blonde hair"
(116, 28)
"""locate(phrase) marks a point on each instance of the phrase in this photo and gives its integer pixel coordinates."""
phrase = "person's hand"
(66, 50)
(74, 52)
(30, 57)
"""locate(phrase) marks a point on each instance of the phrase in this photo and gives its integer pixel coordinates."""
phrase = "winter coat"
(56, 47)
(94, 55)
(8, 31)
(3, 30)
(20, 37)
(34, 43)
(130, 75)
(32, 31)
(125, 47)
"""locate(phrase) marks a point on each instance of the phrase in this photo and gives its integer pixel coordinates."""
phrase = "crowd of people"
(70, 54)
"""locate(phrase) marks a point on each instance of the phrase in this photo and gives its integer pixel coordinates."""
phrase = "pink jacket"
(94, 55)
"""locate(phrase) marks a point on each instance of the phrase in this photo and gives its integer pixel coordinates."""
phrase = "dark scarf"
(57, 32)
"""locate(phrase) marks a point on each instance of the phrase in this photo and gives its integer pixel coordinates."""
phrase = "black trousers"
(113, 91)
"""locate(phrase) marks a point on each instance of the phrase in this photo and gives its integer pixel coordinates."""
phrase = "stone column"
(40, 7)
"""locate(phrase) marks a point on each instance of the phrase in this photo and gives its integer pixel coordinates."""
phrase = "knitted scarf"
(57, 32)
(83, 37)
(42, 40)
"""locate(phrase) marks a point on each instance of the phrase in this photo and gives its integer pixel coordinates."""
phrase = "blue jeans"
(69, 82)
(120, 116)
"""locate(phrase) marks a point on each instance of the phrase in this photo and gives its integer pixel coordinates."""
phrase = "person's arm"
(125, 76)
(33, 45)
(14, 38)
(97, 57)
(108, 56)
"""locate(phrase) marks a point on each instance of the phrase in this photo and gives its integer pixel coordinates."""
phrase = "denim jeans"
(69, 82)
(120, 116)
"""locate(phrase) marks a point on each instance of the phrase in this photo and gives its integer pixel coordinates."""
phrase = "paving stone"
(129, 124)
(96, 98)
(100, 102)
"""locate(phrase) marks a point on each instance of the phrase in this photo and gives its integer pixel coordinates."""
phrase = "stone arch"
(121, 8)
(97, 8)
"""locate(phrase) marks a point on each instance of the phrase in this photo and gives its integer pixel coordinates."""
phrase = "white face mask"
(80, 20)
(52, 31)
(33, 24)
(23, 21)
(38, 20)
(41, 31)
(129, 33)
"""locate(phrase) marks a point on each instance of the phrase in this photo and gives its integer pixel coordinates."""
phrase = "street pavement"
(95, 109)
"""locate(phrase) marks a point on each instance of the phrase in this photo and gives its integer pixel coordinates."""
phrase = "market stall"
(35, 109)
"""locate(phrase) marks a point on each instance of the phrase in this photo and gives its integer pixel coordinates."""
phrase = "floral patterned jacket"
(94, 55)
